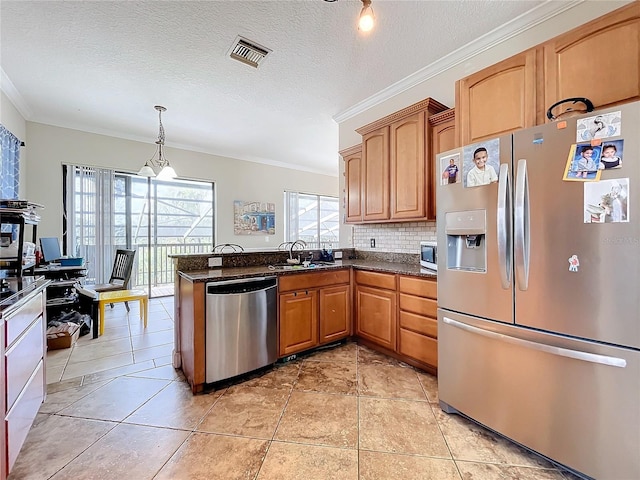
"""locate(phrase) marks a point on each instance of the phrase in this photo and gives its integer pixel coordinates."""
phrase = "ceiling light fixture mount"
(367, 18)
(161, 164)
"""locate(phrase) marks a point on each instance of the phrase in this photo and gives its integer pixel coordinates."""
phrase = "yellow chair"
(123, 296)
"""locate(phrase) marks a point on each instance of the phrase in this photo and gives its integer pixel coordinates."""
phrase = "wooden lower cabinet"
(402, 319)
(314, 309)
(376, 313)
(335, 320)
(375, 300)
(418, 319)
(190, 312)
(298, 321)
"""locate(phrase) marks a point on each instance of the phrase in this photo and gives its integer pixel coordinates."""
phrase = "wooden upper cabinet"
(353, 183)
(407, 158)
(375, 152)
(442, 134)
(599, 60)
(396, 166)
(498, 99)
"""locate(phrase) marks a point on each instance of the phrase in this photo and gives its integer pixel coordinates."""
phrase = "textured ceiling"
(101, 66)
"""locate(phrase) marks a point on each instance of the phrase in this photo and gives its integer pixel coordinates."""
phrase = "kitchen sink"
(312, 266)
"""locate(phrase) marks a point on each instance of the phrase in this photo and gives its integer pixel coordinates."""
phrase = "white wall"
(49, 147)
(14, 122)
(441, 86)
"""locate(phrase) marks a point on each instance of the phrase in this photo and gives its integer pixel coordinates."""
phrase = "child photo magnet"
(583, 163)
(450, 171)
(481, 163)
(611, 154)
(606, 201)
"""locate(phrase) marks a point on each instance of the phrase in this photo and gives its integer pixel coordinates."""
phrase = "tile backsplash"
(401, 237)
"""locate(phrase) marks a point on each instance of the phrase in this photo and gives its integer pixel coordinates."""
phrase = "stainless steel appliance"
(429, 255)
(240, 327)
(539, 309)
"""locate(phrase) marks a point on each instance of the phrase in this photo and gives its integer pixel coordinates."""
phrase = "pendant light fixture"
(367, 18)
(166, 171)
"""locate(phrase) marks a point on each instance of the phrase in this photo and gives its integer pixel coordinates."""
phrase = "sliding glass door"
(169, 217)
(106, 210)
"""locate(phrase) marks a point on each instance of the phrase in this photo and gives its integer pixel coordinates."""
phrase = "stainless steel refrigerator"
(539, 291)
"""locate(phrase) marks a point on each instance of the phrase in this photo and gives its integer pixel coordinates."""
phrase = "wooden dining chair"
(120, 275)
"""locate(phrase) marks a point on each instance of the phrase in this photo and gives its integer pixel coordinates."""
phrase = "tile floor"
(117, 409)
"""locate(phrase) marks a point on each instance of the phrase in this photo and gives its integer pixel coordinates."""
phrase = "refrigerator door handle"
(521, 230)
(542, 347)
(504, 226)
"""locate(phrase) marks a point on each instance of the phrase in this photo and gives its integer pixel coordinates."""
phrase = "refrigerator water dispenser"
(466, 240)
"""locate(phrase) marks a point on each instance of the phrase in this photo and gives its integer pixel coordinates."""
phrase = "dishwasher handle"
(243, 285)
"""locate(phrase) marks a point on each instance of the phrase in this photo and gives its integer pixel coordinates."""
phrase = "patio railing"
(161, 264)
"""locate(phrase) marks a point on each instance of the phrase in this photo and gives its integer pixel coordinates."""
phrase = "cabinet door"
(442, 138)
(407, 156)
(599, 60)
(376, 316)
(353, 185)
(335, 317)
(498, 99)
(375, 153)
(298, 321)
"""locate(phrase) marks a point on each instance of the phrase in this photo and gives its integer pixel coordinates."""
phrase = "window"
(312, 218)
(9, 164)
(106, 210)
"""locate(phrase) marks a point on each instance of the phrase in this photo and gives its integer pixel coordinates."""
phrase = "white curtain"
(90, 219)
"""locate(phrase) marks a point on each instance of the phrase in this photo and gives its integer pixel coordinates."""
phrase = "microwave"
(429, 255)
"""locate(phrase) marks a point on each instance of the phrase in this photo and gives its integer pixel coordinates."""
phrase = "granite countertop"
(257, 271)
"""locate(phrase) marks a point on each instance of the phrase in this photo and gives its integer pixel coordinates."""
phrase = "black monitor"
(50, 249)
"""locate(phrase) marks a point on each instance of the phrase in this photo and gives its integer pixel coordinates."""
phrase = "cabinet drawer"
(21, 416)
(22, 359)
(419, 305)
(420, 347)
(302, 281)
(374, 279)
(419, 324)
(418, 286)
(20, 320)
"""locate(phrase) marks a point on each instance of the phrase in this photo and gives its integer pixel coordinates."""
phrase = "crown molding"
(12, 94)
(351, 150)
(495, 37)
(429, 105)
(442, 117)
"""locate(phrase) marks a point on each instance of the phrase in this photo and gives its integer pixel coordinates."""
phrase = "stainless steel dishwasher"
(240, 327)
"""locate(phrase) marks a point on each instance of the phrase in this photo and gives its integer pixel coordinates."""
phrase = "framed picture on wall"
(254, 218)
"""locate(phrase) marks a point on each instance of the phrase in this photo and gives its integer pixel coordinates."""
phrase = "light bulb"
(366, 19)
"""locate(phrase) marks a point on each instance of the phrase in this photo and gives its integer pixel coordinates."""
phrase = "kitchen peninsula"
(23, 353)
(384, 300)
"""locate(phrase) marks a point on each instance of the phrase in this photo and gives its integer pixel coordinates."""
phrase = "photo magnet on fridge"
(481, 162)
(583, 163)
(600, 126)
(450, 169)
(611, 154)
(606, 201)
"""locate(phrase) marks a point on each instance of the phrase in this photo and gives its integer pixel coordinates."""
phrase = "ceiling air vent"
(248, 52)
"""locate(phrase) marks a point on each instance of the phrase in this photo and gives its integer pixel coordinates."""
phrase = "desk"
(62, 294)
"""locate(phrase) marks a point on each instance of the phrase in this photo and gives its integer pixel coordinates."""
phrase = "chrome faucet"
(302, 243)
